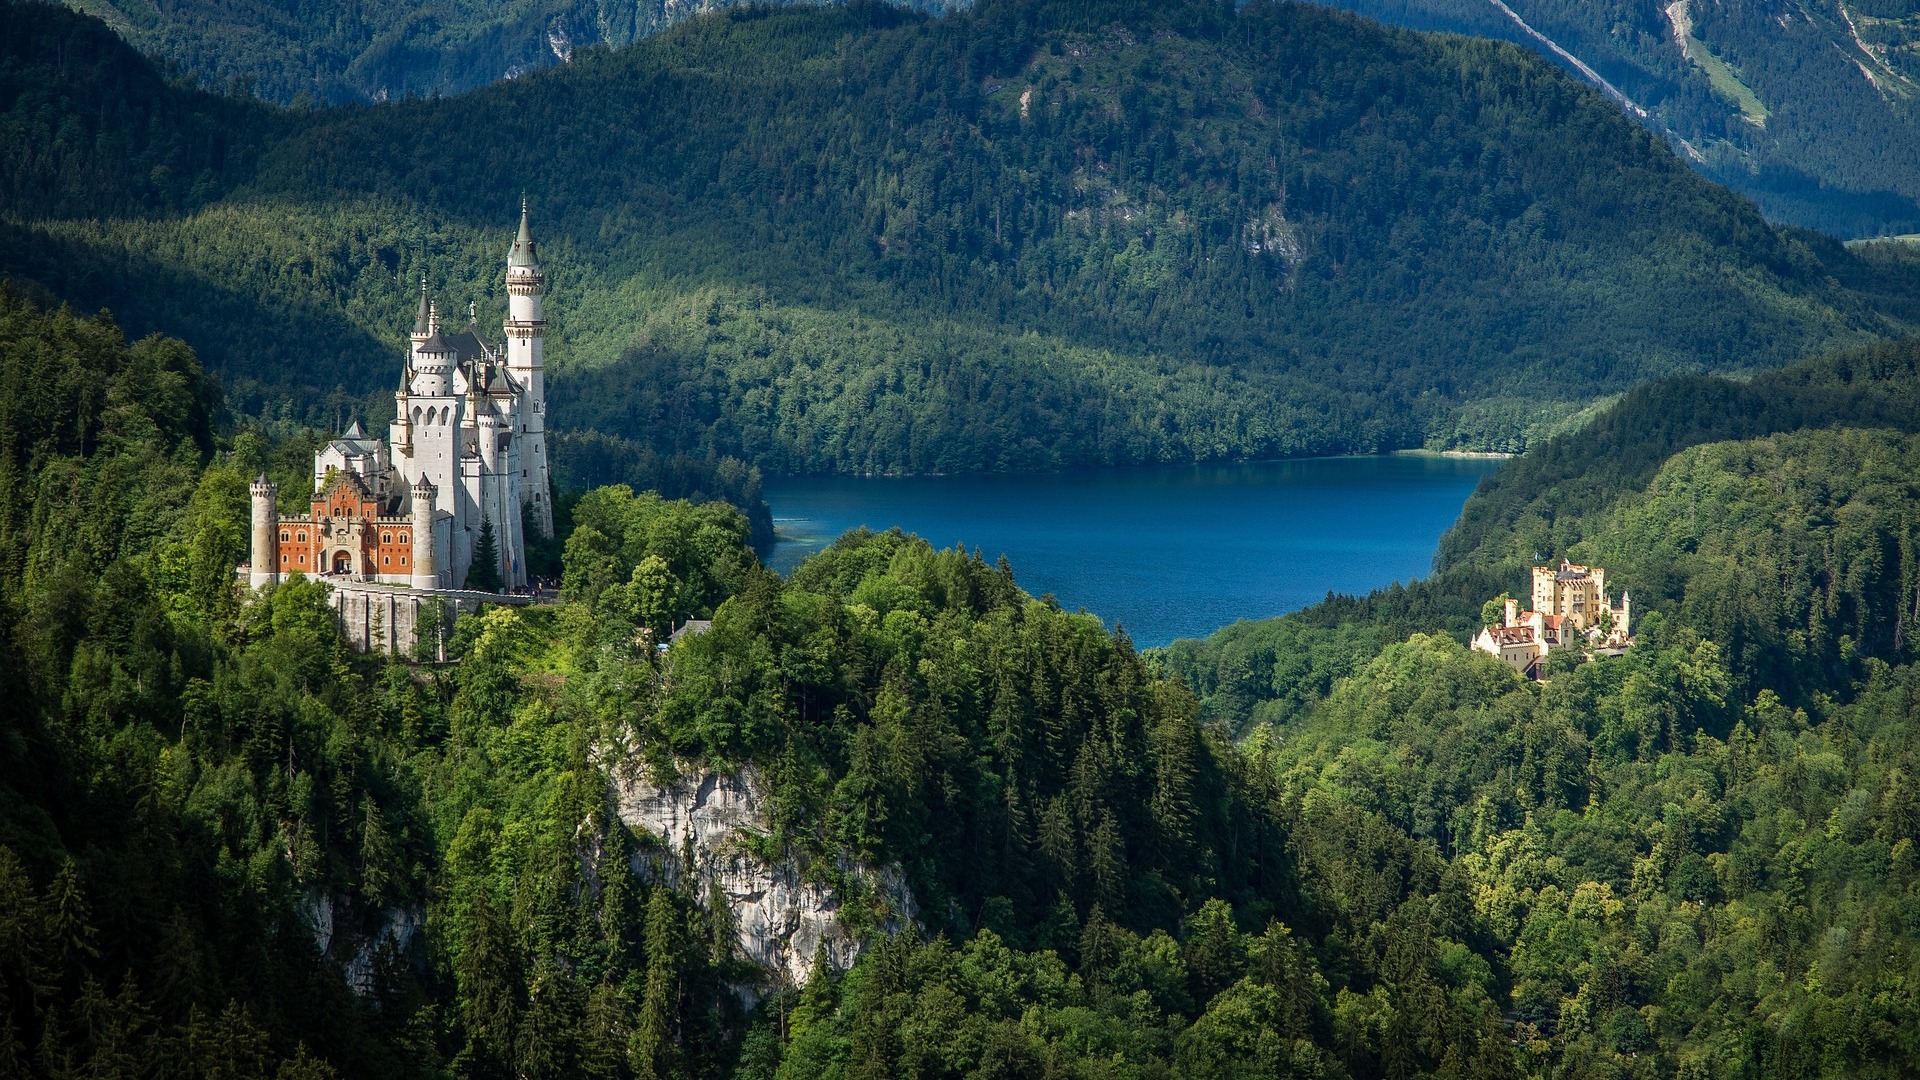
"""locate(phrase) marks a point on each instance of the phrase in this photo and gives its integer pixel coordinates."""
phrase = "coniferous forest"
(1333, 844)
(1339, 844)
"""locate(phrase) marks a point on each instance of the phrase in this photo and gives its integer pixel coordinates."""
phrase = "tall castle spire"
(526, 330)
(421, 327)
(522, 252)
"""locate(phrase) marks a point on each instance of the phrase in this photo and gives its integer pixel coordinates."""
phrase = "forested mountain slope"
(1556, 500)
(214, 815)
(1808, 108)
(1696, 852)
(1811, 107)
(1030, 235)
(1695, 859)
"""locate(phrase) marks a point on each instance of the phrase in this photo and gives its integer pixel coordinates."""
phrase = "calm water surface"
(1166, 553)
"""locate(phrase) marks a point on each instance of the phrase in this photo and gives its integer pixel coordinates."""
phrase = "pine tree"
(484, 574)
(620, 925)
(380, 879)
(488, 979)
(70, 929)
(653, 1050)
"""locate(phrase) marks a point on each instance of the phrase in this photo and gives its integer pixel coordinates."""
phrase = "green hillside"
(837, 240)
(1557, 500)
(1810, 109)
(1807, 108)
(1660, 838)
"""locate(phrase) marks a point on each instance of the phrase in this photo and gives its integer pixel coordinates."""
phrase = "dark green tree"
(484, 573)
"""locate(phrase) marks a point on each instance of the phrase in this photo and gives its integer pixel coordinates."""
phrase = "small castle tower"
(432, 358)
(426, 571)
(264, 567)
(526, 330)
(400, 432)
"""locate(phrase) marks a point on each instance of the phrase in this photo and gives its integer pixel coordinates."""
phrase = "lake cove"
(1167, 552)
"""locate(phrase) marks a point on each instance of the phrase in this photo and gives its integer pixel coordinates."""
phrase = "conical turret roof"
(522, 253)
(423, 322)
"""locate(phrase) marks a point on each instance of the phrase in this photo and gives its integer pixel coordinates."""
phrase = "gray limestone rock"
(781, 917)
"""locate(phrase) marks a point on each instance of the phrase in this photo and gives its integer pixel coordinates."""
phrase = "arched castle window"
(386, 538)
(286, 537)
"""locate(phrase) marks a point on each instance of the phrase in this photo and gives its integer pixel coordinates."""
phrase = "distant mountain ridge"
(1030, 236)
(1809, 107)
(378, 50)
(1812, 109)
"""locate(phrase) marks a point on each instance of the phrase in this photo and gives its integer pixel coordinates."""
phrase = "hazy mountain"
(373, 50)
(1809, 107)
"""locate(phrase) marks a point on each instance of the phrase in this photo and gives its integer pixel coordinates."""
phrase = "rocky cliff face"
(704, 821)
(358, 951)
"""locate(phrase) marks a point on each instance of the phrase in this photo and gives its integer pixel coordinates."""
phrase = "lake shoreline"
(1169, 552)
(1415, 452)
(1474, 455)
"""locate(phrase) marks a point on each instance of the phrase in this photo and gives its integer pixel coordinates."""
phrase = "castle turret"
(432, 359)
(423, 320)
(400, 432)
(426, 568)
(264, 565)
(526, 331)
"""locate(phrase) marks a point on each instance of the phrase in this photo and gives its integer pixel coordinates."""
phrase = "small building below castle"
(1571, 609)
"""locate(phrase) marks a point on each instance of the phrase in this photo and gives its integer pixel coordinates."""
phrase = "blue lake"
(1166, 552)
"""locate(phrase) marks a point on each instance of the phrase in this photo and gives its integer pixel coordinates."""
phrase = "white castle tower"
(425, 572)
(395, 526)
(526, 331)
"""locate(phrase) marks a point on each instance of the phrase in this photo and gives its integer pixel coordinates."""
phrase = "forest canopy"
(1691, 859)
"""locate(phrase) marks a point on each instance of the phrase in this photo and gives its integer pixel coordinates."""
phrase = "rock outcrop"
(358, 953)
(704, 822)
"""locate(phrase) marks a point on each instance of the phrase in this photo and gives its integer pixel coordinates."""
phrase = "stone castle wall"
(388, 619)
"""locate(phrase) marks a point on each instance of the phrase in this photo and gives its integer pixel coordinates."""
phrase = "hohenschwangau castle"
(466, 452)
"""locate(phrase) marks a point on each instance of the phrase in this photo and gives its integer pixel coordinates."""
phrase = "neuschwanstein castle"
(466, 453)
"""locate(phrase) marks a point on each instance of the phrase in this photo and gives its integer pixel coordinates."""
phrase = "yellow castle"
(1571, 607)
